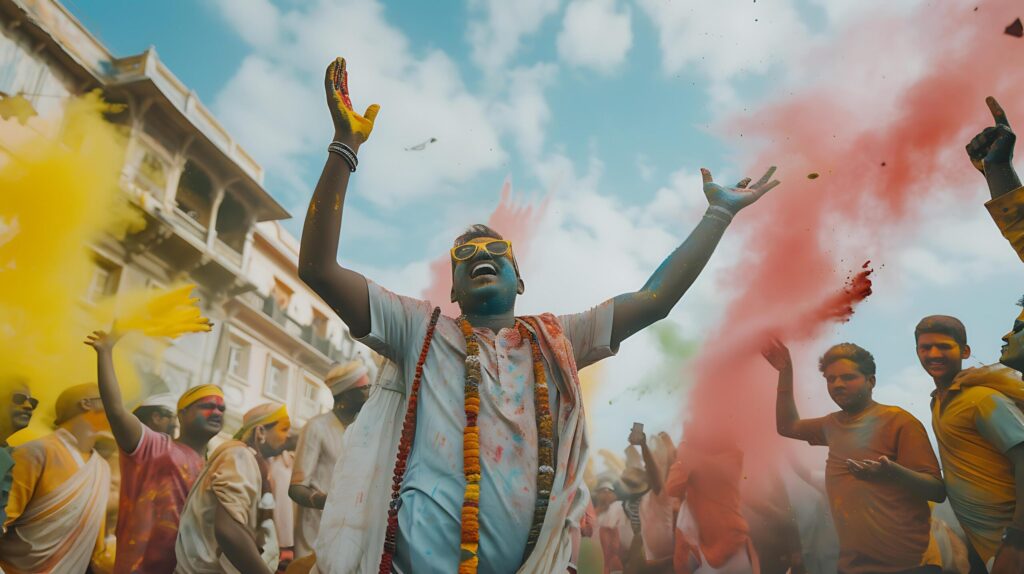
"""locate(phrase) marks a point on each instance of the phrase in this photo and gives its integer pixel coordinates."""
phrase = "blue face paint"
(487, 293)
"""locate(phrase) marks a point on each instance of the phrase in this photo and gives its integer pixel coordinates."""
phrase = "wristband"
(346, 153)
(718, 210)
(1013, 536)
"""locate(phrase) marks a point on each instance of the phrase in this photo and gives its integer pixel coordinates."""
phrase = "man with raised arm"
(156, 470)
(488, 474)
(881, 471)
(992, 512)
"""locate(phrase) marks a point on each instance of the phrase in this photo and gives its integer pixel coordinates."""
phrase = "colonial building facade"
(209, 220)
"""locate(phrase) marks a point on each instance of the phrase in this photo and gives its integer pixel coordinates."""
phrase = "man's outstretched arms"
(341, 288)
(637, 310)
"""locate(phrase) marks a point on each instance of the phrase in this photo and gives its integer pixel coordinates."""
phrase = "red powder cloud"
(879, 162)
(515, 221)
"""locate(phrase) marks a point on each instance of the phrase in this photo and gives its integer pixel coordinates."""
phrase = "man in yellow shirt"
(59, 494)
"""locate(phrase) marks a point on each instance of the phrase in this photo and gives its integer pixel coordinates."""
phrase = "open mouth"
(483, 268)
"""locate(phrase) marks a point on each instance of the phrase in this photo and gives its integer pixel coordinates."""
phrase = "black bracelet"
(1013, 536)
(346, 153)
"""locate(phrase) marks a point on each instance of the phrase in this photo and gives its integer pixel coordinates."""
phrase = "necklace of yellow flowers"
(470, 536)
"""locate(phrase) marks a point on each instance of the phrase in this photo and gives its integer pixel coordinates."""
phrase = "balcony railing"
(303, 332)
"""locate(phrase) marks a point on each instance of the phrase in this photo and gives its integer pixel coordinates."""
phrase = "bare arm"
(126, 427)
(923, 483)
(639, 438)
(637, 310)
(884, 469)
(237, 543)
(341, 288)
(307, 496)
(653, 472)
(787, 418)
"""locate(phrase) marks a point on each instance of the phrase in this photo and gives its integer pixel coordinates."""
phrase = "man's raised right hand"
(777, 354)
(349, 127)
(994, 145)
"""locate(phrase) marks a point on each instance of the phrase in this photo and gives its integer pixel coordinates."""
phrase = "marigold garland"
(470, 538)
(404, 448)
(545, 439)
(470, 535)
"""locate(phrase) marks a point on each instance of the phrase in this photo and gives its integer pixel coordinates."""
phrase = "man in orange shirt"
(881, 470)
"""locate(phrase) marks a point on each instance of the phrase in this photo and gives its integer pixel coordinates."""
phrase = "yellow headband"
(265, 414)
(195, 393)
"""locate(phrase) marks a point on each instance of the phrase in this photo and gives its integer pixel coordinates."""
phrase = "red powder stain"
(788, 283)
(498, 452)
(514, 220)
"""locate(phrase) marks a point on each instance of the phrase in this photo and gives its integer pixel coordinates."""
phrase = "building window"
(276, 384)
(152, 172)
(282, 294)
(238, 359)
(310, 406)
(195, 193)
(104, 281)
(319, 324)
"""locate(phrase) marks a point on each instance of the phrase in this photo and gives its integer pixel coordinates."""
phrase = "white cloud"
(525, 113)
(276, 104)
(500, 26)
(595, 34)
(645, 168)
(256, 21)
(727, 39)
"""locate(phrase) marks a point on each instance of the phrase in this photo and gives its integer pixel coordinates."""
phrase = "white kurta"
(232, 479)
(315, 456)
(280, 476)
(431, 495)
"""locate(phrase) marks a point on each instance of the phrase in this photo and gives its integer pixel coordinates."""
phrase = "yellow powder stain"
(591, 380)
(17, 107)
(60, 182)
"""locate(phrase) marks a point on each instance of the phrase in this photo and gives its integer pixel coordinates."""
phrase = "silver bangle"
(346, 153)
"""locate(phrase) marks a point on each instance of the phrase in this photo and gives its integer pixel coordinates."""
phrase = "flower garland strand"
(470, 539)
(404, 448)
(470, 536)
(545, 439)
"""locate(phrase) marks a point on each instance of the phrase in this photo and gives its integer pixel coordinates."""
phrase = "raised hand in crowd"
(991, 152)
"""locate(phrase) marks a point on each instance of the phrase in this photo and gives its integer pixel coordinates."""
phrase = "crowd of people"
(471, 453)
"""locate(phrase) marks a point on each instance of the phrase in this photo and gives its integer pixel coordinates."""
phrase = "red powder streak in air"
(876, 172)
(513, 220)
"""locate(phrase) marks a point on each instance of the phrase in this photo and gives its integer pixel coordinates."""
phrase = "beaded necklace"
(470, 534)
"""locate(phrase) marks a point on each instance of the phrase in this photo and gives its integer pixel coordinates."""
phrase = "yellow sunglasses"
(494, 247)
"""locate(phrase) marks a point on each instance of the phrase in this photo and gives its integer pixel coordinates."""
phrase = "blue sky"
(611, 106)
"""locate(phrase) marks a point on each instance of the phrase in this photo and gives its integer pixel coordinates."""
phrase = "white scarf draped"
(57, 533)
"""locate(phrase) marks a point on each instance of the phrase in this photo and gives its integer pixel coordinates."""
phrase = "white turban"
(165, 400)
(346, 376)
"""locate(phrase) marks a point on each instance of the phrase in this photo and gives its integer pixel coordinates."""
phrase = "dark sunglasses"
(21, 398)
